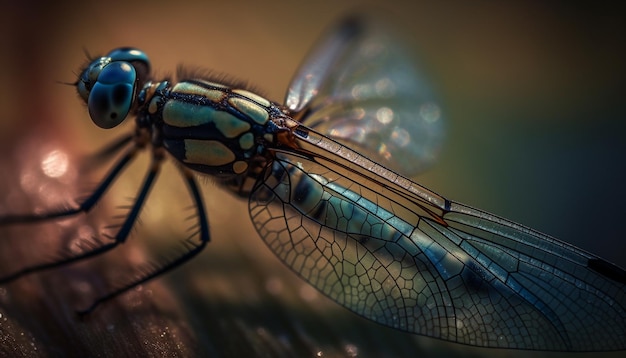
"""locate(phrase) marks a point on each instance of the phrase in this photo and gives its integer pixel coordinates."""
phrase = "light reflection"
(82, 287)
(400, 137)
(50, 193)
(357, 91)
(28, 181)
(356, 134)
(357, 113)
(351, 350)
(308, 293)
(459, 324)
(430, 112)
(274, 286)
(55, 163)
(385, 87)
(135, 52)
(384, 115)
(76, 246)
(86, 232)
(384, 151)
(362, 91)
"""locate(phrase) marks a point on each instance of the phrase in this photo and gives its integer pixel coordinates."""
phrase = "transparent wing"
(360, 87)
(392, 252)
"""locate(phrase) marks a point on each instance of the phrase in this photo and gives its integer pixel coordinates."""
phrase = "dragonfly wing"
(360, 87)
(581, 296)
(462, 276)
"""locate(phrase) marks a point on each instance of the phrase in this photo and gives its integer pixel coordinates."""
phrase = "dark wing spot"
(607, 269)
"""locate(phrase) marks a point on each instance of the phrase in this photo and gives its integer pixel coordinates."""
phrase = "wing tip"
(607, 269)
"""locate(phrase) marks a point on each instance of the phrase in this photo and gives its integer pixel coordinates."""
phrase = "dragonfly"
(326, 175)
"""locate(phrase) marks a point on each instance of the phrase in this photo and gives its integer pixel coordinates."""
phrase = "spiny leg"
(97, 247)
(191, 248)
(88, 203)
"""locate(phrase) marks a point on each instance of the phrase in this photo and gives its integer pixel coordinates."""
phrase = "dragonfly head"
(109, 85)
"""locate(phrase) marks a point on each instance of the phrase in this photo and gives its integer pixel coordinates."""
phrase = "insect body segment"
(211, 128)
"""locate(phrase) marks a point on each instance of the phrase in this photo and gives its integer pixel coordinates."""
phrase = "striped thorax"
(210, 127)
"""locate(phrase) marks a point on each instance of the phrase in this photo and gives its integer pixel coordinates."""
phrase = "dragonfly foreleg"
(85, 206)
(95, 247)
(190, 248)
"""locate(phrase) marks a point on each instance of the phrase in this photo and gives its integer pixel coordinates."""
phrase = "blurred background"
(533, 96)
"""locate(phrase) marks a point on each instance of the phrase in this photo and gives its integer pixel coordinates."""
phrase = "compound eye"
(112, 95)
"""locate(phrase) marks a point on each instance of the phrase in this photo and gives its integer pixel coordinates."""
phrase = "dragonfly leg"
(88, 203)
(96, 246)
(191, 248)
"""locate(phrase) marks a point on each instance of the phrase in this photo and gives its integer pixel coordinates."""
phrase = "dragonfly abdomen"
(331, 205)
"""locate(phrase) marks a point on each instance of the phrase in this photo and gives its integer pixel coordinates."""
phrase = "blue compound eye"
(128, 54)
(111, 97)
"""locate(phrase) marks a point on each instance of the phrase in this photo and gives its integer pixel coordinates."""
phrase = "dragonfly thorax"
(209, 127)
